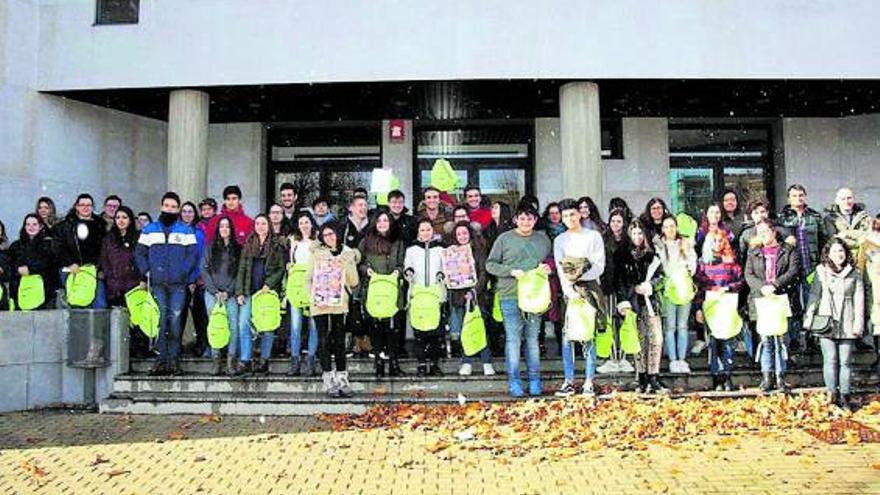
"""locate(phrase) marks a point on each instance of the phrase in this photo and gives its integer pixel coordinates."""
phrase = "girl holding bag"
(305, 230)
(467, 248)
(219, 268)
(679, 262)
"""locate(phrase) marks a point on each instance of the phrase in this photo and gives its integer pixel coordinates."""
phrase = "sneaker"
(488, 370)
(609, 366)
(684, 367)
(515, 389)
(625, 366)
(674, 366)
(465, 369)
(566, 390)
(698, 348)
(588, 390)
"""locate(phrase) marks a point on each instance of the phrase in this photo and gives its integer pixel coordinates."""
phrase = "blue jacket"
(170, 255)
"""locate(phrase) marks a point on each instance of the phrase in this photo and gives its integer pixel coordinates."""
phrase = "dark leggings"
(385, 336)
(427, 345)
(331, 341)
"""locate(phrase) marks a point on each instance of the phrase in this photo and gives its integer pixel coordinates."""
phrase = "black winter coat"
(70, 249)
(788, 271)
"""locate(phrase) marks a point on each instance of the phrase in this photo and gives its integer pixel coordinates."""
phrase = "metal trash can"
(88, 338)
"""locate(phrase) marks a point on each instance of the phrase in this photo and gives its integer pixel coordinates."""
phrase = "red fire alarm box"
(397, 130)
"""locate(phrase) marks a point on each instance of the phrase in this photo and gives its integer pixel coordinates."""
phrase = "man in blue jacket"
(167, 256)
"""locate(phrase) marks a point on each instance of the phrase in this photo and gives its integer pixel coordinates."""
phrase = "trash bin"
(88, 338)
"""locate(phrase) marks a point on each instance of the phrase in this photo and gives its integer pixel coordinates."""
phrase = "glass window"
(706, 160)
(117, 11)
(496, 157)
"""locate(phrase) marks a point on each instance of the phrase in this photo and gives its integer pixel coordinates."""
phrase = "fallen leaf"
(99, 460)
(176, 435)
(210, 418)
(117, 472)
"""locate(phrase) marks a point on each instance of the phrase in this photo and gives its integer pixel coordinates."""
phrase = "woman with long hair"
(679, 263)
(261, 269)
(31, 254)
(382, 253)
(590, 216)
(615, 238)
(652, 217)
(305, 231)
(117, 257)
(195, 299)
(45, 209)
(219, 268)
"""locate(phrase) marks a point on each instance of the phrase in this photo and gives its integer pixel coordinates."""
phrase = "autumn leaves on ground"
(626, 444)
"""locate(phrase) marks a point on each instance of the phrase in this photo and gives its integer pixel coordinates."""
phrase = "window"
(706, 160)
(326, 161)
(117, 11)
(612, 139)
(496, 157)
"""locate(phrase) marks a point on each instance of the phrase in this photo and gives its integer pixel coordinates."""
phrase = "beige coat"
(868, 262)
(350, 259)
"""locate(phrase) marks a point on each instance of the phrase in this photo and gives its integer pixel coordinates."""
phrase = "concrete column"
(188, 143)
(398, 156)
(581, 141)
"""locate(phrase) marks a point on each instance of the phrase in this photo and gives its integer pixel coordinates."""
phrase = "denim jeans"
(836, 358)
(568, 358)
(773, 354)
(456, 323)
(100, 301)
(245, 331)
(677, 330)
(720, 355)
(231, 316)
(296, 324)
(170, 299)
(516, 325)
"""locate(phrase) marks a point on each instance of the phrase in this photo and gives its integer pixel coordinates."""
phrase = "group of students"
(476, 274)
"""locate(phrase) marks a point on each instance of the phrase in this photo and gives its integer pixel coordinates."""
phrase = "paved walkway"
(79, 453)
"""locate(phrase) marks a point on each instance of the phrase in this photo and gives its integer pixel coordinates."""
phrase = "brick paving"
(75, 453)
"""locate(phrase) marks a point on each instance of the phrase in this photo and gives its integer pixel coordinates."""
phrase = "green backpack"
(605, 340)
(218, 327)
(424, 307)
(679, 286)
(443, 176)
(136, 302)
(82, 286)
(296, 290)
(266, 311)
(722, 315)
(31, 293)
(382, 295)
(773, 312)
(473, 333)
(496, 308)
(150, 318)
(629, 334)
(687, 226)
(533, 291)
(580, 321)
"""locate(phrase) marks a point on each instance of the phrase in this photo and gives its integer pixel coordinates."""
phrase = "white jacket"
(426, 263)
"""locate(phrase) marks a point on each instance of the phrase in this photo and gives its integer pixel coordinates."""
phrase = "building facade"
(628, 98)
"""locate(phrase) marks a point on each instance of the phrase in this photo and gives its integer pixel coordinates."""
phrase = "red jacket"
(243, 224)
(482, 216)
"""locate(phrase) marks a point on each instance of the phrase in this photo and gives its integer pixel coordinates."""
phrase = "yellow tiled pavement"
(52, 452)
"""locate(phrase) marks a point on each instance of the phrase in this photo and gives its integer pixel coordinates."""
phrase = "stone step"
(275, 404)
(451, 384)
(451, 365)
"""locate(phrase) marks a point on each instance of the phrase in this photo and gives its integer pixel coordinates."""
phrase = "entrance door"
(705, 161)
(323, 161)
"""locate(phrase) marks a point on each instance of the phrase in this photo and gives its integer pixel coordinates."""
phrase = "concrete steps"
(276, 394)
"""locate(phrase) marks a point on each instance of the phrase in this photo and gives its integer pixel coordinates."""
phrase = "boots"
(394, 367)
(262, 368)
(844, 402)
(293, 370)
(230, 364)
(422, 370)
(174, 369)
(330, 386)
(781, 386)
(766, 382)
(643, 383)
(158, 369)
(655, 385)
(379, 367)
(717, 383)
(435, 369)
(217, 365)
(343, 384)
(238, 369)
(311, 367)
(727, 383)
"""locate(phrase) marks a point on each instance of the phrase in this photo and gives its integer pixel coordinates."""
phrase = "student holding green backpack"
(514, 253)
(260, 271)
(465, 296)
(305, 231)
(679, 262)
(219, 268)
(31, 256)
(78, 240)
(423, 268)
(381, 264)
